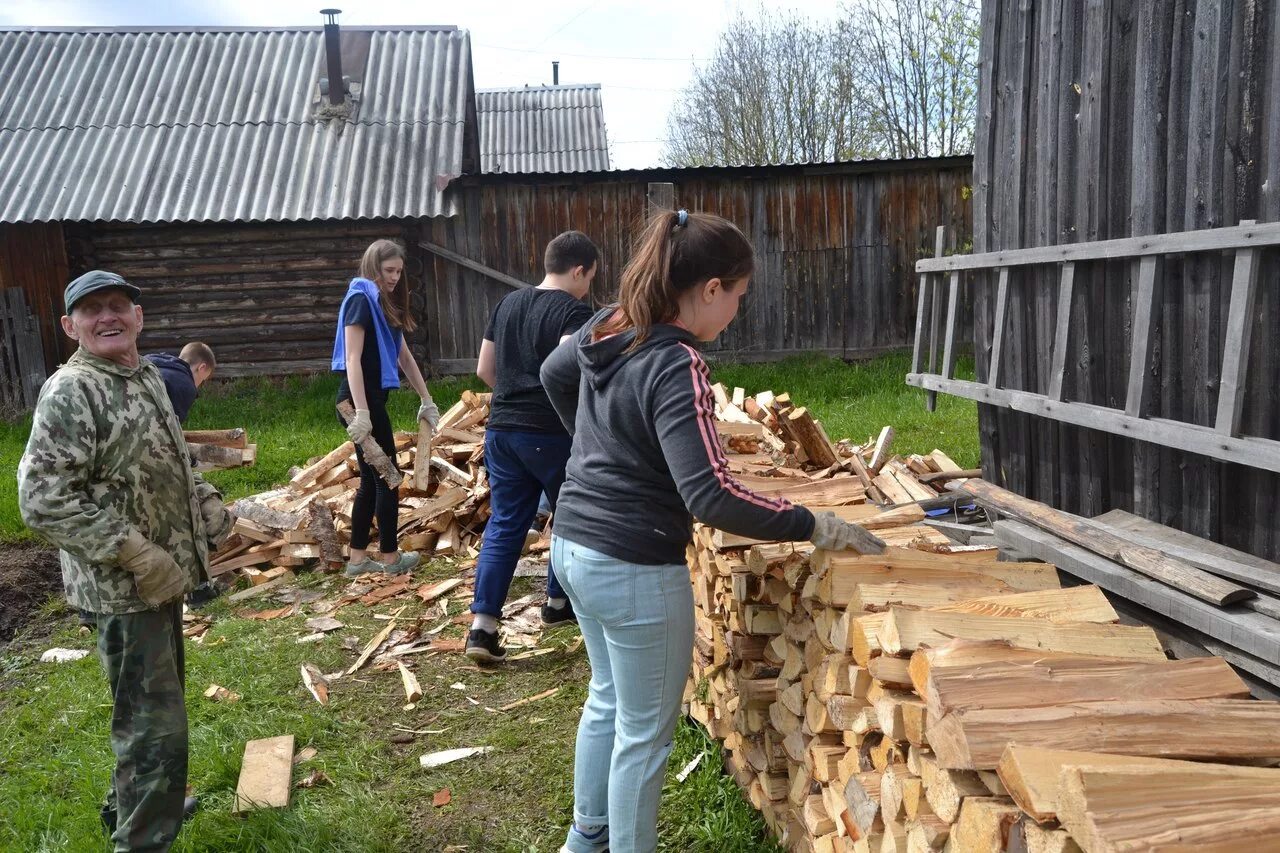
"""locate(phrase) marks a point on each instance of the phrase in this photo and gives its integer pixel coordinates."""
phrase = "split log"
(373, 454)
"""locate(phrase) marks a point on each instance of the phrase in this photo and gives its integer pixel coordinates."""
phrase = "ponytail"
(676, 251)
(380, 251)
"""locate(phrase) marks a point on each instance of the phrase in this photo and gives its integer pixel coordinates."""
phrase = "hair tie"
(682, 217)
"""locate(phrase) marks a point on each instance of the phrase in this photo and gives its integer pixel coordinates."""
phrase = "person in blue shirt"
(369, 351)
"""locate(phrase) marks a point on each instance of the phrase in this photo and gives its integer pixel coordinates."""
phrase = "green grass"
(54, 718)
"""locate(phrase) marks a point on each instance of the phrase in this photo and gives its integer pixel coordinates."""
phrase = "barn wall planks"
(33, 258)
(836, 244)
(1115, 118)
(836, 247)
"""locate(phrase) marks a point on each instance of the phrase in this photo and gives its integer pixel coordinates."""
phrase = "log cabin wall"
(33, 258)
(264, 296)
(1118, 118)
(836, 247)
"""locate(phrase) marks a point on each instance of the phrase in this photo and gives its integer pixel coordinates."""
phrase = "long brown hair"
(676, 251)
(378, 253)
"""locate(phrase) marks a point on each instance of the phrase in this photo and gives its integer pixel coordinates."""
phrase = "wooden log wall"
(1116, 118)
(836, 247)
(264, 296)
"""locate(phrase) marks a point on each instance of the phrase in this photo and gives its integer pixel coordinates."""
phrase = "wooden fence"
(21, 358)
(1122, 118)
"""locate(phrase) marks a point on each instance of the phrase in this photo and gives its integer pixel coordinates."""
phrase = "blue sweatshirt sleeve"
(561, 375)
(684, 418)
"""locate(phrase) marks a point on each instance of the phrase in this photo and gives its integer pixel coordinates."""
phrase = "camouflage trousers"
(142, 654)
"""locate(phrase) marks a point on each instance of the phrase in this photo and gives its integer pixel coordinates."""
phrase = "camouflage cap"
(96, 280)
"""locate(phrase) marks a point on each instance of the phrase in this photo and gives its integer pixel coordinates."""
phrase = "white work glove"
(429, 414)
(832, 534)
(157, 576)
(360, 426)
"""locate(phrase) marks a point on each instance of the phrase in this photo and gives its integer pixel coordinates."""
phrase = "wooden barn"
(1126, 233)
(220, 171)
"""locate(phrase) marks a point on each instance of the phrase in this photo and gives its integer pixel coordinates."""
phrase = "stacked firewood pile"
(213, 449)
(444, 503)
(936, 697)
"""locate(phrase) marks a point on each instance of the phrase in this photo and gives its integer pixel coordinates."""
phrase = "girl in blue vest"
(370, 351)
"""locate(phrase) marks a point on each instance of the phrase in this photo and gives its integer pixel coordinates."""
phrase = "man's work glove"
(218, 520)
(158, 577)
(429, 414)
(832, 534)
(360, 426)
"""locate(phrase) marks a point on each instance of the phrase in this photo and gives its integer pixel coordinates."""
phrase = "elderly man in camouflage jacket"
(106, 477)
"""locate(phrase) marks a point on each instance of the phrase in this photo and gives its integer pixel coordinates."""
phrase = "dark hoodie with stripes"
(646, 459)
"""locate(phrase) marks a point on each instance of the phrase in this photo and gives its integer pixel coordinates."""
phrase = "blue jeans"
(523, 466)
(637, 623)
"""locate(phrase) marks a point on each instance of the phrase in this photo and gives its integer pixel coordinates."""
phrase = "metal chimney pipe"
(333, 52)
(555, 72)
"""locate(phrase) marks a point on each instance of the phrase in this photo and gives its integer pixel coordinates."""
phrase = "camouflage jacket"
(106, 454)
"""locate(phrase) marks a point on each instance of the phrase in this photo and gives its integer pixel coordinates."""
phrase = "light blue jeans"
(637, 624)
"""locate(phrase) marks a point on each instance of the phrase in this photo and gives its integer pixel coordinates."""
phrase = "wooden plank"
(1062, 331)
(476, 266)
(994, 375)
(1032, 774)
(1235, 356)
(1144, 316)
(1249, 632)
(953, 319)
(905, 630)
(265, 775)
(1147, 807)
(1206, 729)
(939, 241)
(1154, 564)
(1178, 242)
(1203, 554)
(1251, 451)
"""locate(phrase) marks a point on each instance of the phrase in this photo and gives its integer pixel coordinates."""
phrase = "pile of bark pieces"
(214, 449)
(1205, 597)
(444, 502)
(775, 438)
(925, 701)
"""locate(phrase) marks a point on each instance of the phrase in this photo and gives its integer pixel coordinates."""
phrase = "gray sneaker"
(356, 569)
(406, 561)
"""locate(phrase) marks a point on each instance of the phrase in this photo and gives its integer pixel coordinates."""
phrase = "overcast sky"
(642, 51)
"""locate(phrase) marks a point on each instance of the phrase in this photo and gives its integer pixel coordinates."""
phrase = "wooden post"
(953, 318)
(661, 197)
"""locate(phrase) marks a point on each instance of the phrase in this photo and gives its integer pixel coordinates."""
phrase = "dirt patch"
(29, 576)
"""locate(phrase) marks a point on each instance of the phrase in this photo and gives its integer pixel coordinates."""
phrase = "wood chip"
(265, 774)
(315, 682)
(442, 798)
(448, 756)
(543, 695)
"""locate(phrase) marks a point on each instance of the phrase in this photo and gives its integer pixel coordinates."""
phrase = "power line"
(597, 55)
(585, 9)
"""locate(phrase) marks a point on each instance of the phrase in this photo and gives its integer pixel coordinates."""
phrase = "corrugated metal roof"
(177, 126)
(542, 129)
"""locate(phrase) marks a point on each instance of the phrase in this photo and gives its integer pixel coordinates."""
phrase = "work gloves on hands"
(218, 520)
(360, 426)
(832, 534)
(158, 577)
(428, 414)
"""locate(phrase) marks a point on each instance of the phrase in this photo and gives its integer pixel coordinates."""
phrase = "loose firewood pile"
(936, 698)
(443, 504)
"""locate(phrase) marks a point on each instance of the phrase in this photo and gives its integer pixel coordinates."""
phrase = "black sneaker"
(203, 594)
(556, 615)
(483, 646)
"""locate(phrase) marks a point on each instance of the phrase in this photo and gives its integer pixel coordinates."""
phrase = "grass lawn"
(54, 718)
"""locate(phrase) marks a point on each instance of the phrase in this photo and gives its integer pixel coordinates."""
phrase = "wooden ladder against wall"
(1221, 441)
